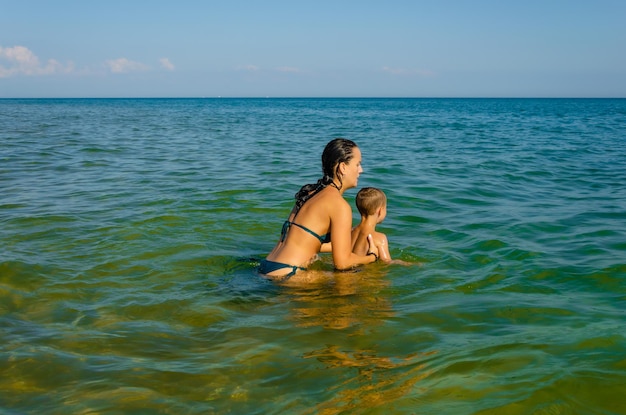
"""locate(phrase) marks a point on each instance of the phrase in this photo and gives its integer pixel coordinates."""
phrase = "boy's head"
(369, 200)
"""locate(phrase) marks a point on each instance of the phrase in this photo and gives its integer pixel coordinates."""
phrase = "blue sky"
(236, 48)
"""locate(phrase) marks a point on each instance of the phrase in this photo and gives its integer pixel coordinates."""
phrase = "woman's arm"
(341, 238)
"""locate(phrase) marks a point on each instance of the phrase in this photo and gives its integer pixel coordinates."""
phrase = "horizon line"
(319, 97)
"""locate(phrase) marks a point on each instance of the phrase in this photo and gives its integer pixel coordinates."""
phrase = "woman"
(321, 215)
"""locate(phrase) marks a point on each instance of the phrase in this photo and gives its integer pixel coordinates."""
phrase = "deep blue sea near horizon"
(130, 232)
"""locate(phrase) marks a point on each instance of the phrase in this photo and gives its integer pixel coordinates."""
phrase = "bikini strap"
(287, 224)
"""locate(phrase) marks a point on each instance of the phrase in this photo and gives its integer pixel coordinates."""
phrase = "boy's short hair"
(368, 199)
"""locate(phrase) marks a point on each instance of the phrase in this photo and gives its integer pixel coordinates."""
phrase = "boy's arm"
(382, 244)
(383, 247)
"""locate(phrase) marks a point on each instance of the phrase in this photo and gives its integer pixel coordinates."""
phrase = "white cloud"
(19, 60)
(22, 61)
(249, 68)
(165, 63)
(123, 65)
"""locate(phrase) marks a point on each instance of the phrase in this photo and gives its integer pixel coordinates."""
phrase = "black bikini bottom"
(267, 266)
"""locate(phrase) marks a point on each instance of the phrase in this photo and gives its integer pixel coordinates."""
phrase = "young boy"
(372, 205)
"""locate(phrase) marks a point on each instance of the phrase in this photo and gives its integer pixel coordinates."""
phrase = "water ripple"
(131, 231)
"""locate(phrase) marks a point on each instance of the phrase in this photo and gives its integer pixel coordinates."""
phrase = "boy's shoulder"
(379, 236)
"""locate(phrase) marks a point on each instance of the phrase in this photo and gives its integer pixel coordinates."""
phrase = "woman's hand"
(372, 246)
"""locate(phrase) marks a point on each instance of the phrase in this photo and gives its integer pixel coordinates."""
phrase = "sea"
(131, 231)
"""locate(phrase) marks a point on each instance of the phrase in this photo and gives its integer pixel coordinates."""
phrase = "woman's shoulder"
(331, 195)
(331, 202)
(335, 200)
(327, 200)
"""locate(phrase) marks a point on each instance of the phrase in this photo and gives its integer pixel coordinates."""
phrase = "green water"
(130, 231)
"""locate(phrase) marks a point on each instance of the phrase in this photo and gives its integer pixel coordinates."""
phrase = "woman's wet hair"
(337, 151)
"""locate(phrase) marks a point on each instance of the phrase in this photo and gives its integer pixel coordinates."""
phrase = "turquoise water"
(130, 231)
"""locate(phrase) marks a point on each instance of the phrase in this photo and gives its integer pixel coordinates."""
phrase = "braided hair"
(337, 151)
